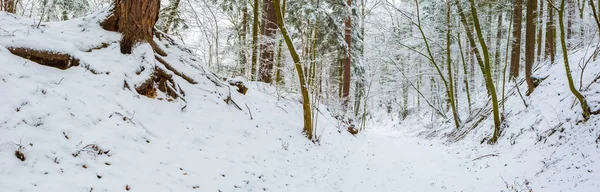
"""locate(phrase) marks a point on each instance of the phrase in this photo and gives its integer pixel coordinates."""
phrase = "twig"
(249, 111)
(488, 155)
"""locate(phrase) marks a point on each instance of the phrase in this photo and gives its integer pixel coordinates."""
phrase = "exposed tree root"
(170, 68)
(57, 60)
(162, 81)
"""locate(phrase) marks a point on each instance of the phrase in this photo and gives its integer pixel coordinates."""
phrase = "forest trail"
(390, 162)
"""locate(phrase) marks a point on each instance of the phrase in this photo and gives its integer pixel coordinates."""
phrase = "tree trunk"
(347, 61)
(515, 56)
(488, 76)
(540, 26)
(267, 49)
(10, 6)
(595, 14)
(582, 100)
(308, 129)
(570, 15)
(278, 70)
(243, 59)
(135, 20)
(497, 65)
(254, 41)
(450, 90)
(551, 35)
(530, 43)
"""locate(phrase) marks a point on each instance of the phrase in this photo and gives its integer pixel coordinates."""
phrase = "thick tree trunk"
(135, 20)
(9, 6)
(347, 61)
(515, 56)
(530, 43)
(267, 49)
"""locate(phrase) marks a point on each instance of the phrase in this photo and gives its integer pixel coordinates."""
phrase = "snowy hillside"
(85, 128)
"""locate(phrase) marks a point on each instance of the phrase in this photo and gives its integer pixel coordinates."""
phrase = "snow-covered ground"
(81, 131)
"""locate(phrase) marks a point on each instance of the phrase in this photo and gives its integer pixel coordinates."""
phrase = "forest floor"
(81, 129)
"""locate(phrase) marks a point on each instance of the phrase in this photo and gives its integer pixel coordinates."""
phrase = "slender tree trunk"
(551, 35)
(595, 14)
(267, 48)
(243, 59)
(530, 43)
(308, 129)
(515, 56)
(570, 15)
(348, 60)
(471, 39)
(488, 75)
(278, 73)
(582, 101)
(255, 26)
(540, 26)
(449, 66)
(497, 65)
(465, 71)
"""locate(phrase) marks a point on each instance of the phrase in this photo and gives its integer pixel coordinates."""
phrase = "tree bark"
(450, 90)
(10, 6)
(347, 61)
(540, 26)
(551, 35)
(135, 20)
(244, 30)
(515, 56)
(530, 43)
(254, 41)
(267, 49)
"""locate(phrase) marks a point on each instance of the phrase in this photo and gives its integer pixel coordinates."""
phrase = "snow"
(82, 131)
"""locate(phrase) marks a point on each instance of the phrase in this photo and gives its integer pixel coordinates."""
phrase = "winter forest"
(300, 95)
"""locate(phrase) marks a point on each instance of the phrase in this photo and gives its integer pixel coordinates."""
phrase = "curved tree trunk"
(135, 20)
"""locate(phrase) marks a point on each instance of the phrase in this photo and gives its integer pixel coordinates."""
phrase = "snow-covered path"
(394, 163)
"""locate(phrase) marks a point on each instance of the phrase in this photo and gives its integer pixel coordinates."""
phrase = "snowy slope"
(545, 145)
(82, 131)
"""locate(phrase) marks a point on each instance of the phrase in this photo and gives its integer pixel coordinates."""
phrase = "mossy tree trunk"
(306, 105)
(582, 101)
(488, 75)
